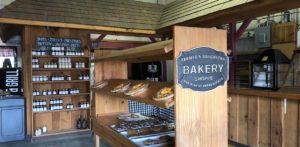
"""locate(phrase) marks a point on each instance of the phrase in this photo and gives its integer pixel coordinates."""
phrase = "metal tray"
(139, 140)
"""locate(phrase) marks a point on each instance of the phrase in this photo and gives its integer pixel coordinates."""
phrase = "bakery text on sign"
(202, 69)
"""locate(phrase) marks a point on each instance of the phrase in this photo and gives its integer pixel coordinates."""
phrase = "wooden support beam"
(100, 38)
(74, 26)
(242, 29)
(153, 40)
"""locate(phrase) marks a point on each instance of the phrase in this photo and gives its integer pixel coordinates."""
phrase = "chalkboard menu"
(45, 43)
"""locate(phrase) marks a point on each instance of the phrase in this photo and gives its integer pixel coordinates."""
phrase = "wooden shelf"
(63, 110)
(65, 95)
(151, 52)
(145, 97)
(64, 131)
(60, 82)
(59, 69)
(61, 57)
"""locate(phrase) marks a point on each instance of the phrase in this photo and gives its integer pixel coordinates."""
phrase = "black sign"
(202, 69)
(10, 80)
(45, 43)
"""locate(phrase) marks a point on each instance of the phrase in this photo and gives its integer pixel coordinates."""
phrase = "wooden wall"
(200, 116)
(261, 121)
(29, 35)
(103, 104)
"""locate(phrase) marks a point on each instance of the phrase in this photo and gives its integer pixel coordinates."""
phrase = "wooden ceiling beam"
(75, 26)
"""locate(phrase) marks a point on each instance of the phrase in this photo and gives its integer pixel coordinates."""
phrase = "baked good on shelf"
(121, 87)
(150, 142)
(100, 85)
(137, 88)
(165, 93)
(132, 117)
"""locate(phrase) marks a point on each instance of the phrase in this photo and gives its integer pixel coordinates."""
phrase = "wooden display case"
(200, 117)
(64, 120)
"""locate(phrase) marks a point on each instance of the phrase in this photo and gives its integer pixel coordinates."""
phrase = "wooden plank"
(73, 26)
(277, 131)
(284, 33)
(291, 124)
(243, 119)
(264, 122)
(104, 71)
(253, 121)
(204, 125)
(154, 49)
(233, 117)
(26, 76)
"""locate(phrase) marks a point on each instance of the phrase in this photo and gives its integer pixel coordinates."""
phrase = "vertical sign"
(10, 80)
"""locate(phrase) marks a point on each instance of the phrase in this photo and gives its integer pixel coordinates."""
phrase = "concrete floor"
(75, 142)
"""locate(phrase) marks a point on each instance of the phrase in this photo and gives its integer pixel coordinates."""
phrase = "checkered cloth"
(149, 110)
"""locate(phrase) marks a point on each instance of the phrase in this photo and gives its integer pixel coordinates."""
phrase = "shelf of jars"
(60, 86)
(61, 95)
(57, 105)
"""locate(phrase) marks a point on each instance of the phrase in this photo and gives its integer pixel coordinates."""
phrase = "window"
(8, 56)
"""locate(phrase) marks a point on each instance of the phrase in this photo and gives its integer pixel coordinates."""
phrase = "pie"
(137, 88)
(164, 94)
(121, 87)
(100, 85)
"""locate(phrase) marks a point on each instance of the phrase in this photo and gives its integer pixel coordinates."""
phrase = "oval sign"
(202, 69)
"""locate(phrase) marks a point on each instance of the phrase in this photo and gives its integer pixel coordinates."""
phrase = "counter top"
(285, 92)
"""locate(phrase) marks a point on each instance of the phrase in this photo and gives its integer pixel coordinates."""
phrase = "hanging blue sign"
(202, 69)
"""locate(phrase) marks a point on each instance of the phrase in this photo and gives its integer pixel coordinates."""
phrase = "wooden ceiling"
(137, 17)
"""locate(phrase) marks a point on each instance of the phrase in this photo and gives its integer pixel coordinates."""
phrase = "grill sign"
(202, 69)
(10, 80)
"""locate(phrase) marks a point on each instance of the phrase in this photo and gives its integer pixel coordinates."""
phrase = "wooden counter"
(263, 118)
(287, 92)
(101, 127)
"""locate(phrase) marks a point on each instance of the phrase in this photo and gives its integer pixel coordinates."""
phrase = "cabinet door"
(12, 123)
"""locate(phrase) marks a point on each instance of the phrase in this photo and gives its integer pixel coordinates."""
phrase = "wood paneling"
(284, 33)
(243, 119)
(253, 121)
(233, 117)
(201, 117)
(105, 71)
(267, 124)
(276, 123)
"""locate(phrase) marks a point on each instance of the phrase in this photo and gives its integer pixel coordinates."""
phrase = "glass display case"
(267, 69)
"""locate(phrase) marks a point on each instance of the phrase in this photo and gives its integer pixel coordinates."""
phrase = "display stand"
(200, 117)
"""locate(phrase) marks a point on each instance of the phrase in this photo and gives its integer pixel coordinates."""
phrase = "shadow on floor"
(76, 142)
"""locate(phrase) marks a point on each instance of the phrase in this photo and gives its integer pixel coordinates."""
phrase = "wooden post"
(200, 117)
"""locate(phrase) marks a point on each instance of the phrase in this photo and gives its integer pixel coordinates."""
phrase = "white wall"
(5, 2)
